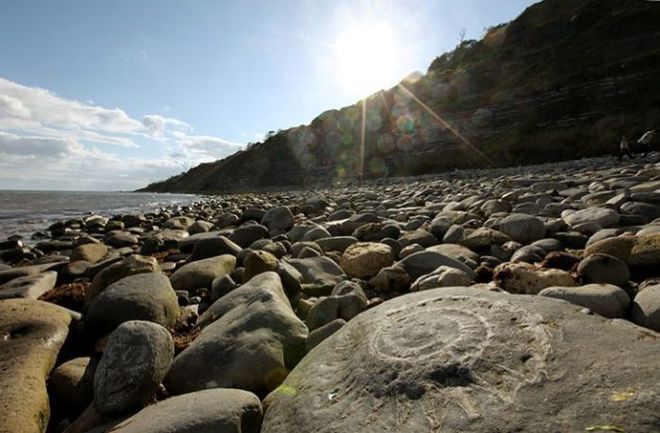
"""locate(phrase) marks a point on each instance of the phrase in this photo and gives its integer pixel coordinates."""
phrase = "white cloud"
(47, 141)
(156, 125)
(207, 147)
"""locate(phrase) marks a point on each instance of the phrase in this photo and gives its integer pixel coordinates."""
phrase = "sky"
(113, 95)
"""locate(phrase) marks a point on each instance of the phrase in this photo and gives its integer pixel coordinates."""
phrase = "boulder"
(522, 228)
(258, 262)
(337, 243)
(636, 251)
(591, 219)
(521, 277)
(250, 339)
(604, 269)
(90, 252)
(179, 223)
(72, 384)
(365, 259)
(119, 239)
(135, 361)
(131, 265)
(391, 279)
(346, 301)
(278, 220)
(24, 271)
(457, 252)
(604, 299)
(209, 411)
(319, 274)
(425, 262)
(444, 276)
(200, 227)
(147, 296)
(248, 233)
(31, 286)
(200, 274)
(646, 308)
(31, 336)
(456, 360)
(323, 332)
(212, 247)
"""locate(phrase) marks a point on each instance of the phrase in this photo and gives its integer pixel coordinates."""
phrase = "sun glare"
(365, 58)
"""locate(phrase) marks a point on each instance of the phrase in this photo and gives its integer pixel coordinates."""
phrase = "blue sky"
(98, 94)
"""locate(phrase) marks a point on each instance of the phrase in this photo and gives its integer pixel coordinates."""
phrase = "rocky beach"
(523, 299)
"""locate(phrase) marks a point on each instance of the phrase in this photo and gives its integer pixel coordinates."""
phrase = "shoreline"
(417, 290)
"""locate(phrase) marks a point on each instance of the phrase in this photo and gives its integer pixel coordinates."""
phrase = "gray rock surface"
(31, 336)
(646, 308)
(147, 296)
(250, 339)
(210, 411)
(605, 299)
(201, 273)
(457, 359)
(136, 358)
(31, 286)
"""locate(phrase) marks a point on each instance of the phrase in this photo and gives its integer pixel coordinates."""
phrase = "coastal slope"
(562, 81)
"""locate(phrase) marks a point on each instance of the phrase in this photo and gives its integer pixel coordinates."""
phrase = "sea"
(26, 212)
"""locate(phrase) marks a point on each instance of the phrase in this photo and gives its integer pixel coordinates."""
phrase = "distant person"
(624, 148)
(646, 140)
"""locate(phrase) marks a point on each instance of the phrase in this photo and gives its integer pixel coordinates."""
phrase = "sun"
(366, 58)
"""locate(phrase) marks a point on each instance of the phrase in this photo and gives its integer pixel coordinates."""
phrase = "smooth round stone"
(604, 299)
(425, 262)
(73, 384)
(147, 296)
(209, 411)
(365, 259)
(604, 269)
(131, 265)
(201, 273)
(525, 278)
(646, 308)
(250, 338)
(247, 234)
(471, 355)
(529, 254)
(549, 245)
(31, 336)
(136, 358)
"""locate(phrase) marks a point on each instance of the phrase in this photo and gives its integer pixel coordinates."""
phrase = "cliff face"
(564, 80)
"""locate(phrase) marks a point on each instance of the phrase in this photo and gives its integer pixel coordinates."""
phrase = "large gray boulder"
(200, 274)
(320, 274)
(523, 228)
(131, 265)
(135, 361)
(210, 411)
(278, 220)
(646, 308)
(425, 262)
(251, 338)
(31, 336)
(459, 359)
(72, 383)
(31, 286)
(147, 296)
(604, 299)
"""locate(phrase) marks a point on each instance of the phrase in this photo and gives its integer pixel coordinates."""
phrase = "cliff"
(564, 80)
